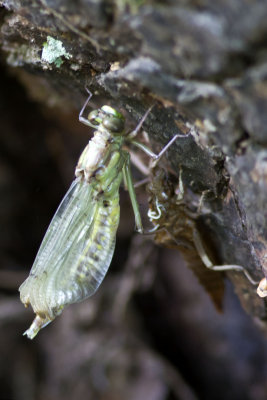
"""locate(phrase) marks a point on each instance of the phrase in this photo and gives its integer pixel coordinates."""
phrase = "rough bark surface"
(203, 68)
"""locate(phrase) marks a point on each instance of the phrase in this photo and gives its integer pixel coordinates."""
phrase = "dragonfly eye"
(113, 123)
(94, 117)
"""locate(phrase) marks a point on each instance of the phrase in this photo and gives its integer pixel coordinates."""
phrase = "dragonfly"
(78, 246)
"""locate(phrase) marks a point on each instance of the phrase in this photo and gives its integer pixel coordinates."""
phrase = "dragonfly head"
(110, 118)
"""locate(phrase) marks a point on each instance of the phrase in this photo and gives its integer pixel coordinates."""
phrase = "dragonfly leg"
(142, 182)
(138, 163)
(207, 262)
(157, 157)
(140, 123)
(82, 119)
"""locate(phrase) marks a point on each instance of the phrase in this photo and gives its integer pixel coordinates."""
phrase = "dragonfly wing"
(90, 255)
(76, 209)
(75, 253)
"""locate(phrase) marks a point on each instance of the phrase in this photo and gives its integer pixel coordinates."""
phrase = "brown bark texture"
(156, 329)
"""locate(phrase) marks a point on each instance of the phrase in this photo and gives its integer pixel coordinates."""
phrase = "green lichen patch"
(53, 51)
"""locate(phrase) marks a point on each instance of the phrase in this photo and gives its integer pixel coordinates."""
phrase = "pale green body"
(78, 247)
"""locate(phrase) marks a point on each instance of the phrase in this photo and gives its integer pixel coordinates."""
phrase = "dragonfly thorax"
(109, 118)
